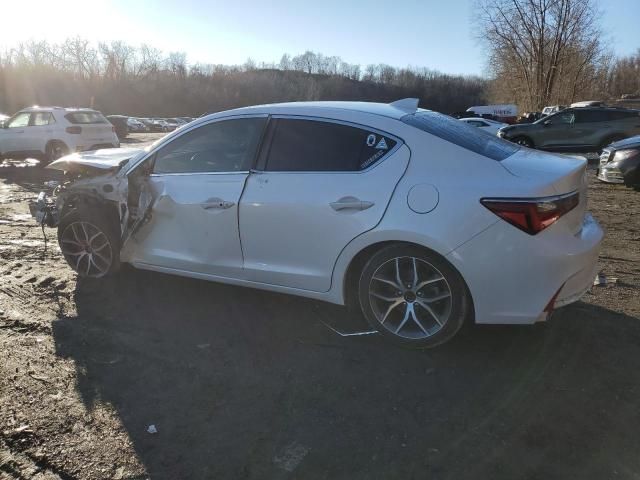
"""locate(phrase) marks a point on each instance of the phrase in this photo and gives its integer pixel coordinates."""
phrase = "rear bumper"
(512, 277)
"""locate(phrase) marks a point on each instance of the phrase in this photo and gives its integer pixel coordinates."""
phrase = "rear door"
(592, 126)
(40, 131)
(319, 185)
(195, 186)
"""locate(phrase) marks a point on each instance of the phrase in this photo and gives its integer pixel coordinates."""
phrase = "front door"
(13, 139)
(320, 184)
(196, 183)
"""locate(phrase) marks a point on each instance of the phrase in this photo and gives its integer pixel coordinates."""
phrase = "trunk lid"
(564, 173)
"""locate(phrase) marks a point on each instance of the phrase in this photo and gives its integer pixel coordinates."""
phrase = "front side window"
(21, 120)
(319, 146)
(41, 118)
(224, 146)
(563, 118)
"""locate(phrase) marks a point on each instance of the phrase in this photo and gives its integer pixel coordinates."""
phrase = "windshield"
(461, 134)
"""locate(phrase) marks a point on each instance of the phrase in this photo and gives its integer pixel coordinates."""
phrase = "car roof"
(37, 108)
(396, 110)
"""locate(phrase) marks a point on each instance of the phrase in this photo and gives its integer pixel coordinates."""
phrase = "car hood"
(104, 159)
(630, 142)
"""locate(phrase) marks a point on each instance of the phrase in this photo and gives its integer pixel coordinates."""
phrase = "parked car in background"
(161, 125)
(489, 126)
(136, 126)
(529, 117)
(502, 113)
(588, 103)
(121, 125)
(417, 247)
(147, 123)
(576, 129)
(52, 132)
(552, 109)
(174, 123)
(620, 162)
(186, 119)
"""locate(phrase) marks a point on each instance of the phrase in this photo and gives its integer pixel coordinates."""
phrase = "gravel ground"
(239, 383)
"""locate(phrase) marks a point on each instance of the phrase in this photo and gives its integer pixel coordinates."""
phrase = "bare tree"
(538, 46)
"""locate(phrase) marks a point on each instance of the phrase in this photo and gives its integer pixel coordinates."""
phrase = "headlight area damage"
(92, 180)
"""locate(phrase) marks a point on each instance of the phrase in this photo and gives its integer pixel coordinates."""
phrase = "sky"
(437, 34)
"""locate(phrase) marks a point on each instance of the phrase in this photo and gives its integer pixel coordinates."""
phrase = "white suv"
(52, 132)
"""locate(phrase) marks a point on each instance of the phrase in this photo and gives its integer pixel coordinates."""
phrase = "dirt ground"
(239, 383)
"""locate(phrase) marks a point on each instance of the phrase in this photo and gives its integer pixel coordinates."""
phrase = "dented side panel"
(192, 224)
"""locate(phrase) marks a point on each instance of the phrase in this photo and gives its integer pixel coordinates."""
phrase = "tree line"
(550, 52)
(118, 78)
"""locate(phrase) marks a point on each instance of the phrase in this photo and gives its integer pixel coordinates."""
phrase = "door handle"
(217, 204)
(351, 203)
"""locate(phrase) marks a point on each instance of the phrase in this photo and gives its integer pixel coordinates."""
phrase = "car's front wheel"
(89, 242)
(413, 296)
(523, 141)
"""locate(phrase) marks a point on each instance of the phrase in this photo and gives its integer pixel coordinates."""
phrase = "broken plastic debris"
(349, 334)
(601, 280)
(152, 429)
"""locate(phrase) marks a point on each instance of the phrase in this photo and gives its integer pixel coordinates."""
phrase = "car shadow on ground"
(243, 383)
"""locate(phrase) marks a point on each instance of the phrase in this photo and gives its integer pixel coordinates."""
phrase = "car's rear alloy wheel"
(87, 249)
(412, 296)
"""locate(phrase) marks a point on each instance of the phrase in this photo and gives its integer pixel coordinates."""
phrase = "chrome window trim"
(398, 140)
(190, 128)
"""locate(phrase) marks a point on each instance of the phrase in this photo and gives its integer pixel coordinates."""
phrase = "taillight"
(532, 215)
(76, 130)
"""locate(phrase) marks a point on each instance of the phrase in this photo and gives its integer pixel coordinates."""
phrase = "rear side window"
(85, 118)
(319, 146)
(461, 134)
(41, 118)
(591, 116)
(622, 115)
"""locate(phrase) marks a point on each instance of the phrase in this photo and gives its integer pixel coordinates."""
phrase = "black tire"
(458, 307)
(102, 257)
(523, 141)
(55, 150)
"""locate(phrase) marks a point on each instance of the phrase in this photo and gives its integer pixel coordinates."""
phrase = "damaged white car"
(420, 221)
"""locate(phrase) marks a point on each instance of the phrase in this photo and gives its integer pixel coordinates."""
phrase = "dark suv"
(576, 129)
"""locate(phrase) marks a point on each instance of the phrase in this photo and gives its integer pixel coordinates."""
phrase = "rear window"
(85, 117)
(461, 134)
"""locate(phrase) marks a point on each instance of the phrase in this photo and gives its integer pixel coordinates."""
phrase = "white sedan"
(489, 126)
(419, 220)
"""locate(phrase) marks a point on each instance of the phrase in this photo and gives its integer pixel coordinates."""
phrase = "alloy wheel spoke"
(415, 271)
(388, 282)
(391, 307)
(428, 282)
(417, 321)
(407, 313)
(385, 298)
(430, 310)
(398, 278)
(437, 298)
